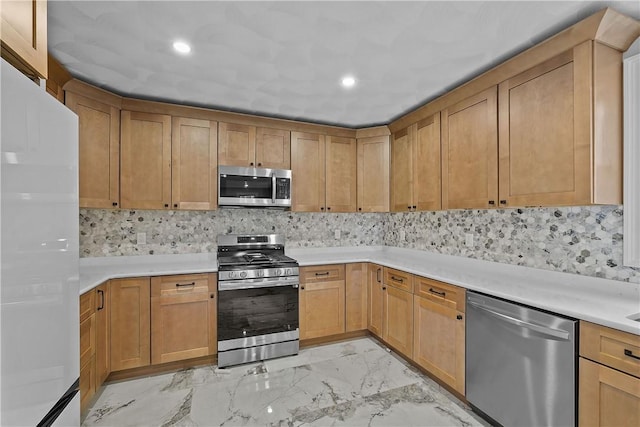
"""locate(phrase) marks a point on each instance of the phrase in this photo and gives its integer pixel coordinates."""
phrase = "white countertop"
(602, 301)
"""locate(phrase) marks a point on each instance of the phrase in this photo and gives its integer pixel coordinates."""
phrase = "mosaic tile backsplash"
(582, 240)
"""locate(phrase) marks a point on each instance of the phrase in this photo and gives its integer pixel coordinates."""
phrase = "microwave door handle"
(273, 188)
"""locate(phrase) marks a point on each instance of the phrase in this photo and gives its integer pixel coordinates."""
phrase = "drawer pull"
(439, 293)
(378, 279)
(101, 292)
(630, 354)
(326, 273)
(397, 279)
(183, 285)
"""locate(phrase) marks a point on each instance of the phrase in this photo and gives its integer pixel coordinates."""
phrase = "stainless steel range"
(257, 299)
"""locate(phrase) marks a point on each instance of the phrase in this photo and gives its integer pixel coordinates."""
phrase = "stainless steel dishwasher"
(520, 363)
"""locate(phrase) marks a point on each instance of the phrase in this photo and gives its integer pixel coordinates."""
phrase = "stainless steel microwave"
(254, 187)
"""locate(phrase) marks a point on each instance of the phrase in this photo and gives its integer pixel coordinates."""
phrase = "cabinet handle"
(101, 292)
(115, 203)
(397, 279)
(302, 288)
(409, 207)
(413, 207)
(328, 208)
(492, 202)
(183, 285)
(440, 293)
(459, 317)
(359, 209)
(259, 164)
(384, 288)
(166, 205)
(175, 205)
(212, 296)
(326, 273)
(251, 164)
(503, 202)
(378, 271)
(630, 354)
(322, 208)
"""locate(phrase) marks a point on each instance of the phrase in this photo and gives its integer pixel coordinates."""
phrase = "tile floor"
(352, 383)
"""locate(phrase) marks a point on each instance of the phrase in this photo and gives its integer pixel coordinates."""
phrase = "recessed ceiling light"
(181, 47)
(348, 81)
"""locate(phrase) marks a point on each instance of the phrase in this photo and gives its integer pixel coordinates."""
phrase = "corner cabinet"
(322, 301)
(375, 298)
(609, 383)
(23, 30)
(341, 175)
(439, 331)
(99, 148)
(470, 152)
(183, 317)
(560, 130)
(356, 297)
(145, 160)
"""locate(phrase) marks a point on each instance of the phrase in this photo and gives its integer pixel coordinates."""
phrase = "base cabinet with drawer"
(397, 310)
(183, 317)
(439, 331)
(609, 384)
(322, 301)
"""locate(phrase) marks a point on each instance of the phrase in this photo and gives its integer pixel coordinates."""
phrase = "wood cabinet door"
(87, 384)
(373, 174)
(236, 145)
(398, 319)
(87, 349)
(607, 397)
(98, 151)
(438, 342)
(182, 308)
(145, 160)
(194, 164)
(130, 302)
(401, 172)
(356, 296)
(375, 297)
(322, 304)
(307, 172)
(544, 161)
(273, 148)
(103, 342)
(23, 30)
(427, 194)
(341, 175)
(470, 152)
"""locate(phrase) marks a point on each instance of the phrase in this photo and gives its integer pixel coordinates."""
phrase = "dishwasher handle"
(556, 333)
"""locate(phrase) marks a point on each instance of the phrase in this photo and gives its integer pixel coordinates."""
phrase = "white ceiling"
(286, 59)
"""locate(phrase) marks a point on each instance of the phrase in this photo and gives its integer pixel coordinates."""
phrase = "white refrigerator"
(39, 330)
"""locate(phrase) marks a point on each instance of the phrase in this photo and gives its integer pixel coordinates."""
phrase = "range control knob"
(232, 275)
(260, 273)
(243, 274)
(278, 272)
(288, 272)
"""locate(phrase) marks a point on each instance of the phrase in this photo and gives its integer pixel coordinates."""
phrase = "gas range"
(257, 299)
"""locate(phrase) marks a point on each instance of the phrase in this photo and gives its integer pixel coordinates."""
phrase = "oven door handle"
(233, 285)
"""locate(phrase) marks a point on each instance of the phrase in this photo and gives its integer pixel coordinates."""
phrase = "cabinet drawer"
(440, 292)
(184, 284)
(617, 349)
(87, 339)
(87, 304)
(322, 273)
(398, 279)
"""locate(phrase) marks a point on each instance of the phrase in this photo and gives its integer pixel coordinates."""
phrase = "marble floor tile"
(350, 383)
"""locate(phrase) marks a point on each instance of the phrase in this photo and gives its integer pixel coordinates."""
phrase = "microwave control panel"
(283, 188)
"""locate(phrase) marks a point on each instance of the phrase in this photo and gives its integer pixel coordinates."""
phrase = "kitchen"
(403, 238)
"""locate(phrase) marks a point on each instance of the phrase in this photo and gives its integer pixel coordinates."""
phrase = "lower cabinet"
(130, 323)
(356, 297)
(609, 381)
(398, 319)
(322, 301)
(374, 299)
(87, 348)
(439, 331)
(103, 334)
(183, 317)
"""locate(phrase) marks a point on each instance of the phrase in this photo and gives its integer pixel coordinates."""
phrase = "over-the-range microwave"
(254, 187)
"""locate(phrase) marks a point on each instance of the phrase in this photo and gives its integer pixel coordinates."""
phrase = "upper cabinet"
(470, 152)
(373, 174)
(340, 174)
(194, 164)
(560, 130)
(307, 172)
(415, 166)
(23, 30)
(99, 145)
(248, 146)
(146, 160)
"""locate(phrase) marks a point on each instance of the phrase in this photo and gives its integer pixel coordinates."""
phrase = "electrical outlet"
(336, 234)
(468, 239)
(401, 235)
(142, 238)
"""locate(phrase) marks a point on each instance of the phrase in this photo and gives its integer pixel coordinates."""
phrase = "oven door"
(257, 187)
(247, 316)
